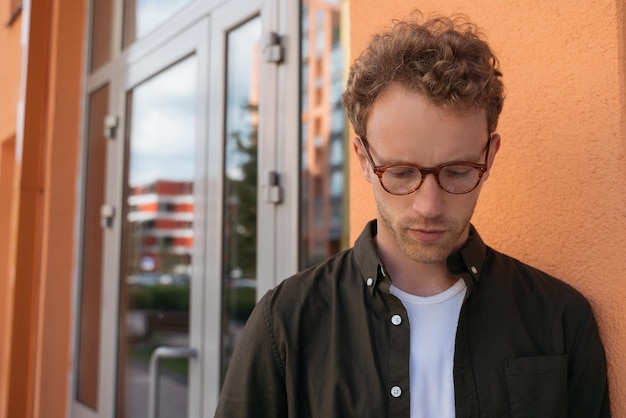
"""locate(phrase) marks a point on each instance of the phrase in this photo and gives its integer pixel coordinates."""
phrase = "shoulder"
(537, 310)
(302, 309)
(529, 282)
(317, 283)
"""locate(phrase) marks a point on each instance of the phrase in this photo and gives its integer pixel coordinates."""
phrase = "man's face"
(403, 127)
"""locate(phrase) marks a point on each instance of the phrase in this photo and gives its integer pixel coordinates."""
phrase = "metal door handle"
(157, 355)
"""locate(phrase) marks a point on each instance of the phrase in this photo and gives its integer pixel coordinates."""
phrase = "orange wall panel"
(184, 208)
(7, 283)
(556, 198)
(62, 151)
(148, 207)
(10, 65)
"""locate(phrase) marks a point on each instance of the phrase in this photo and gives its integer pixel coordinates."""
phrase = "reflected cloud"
(152, 13)
(163, 125)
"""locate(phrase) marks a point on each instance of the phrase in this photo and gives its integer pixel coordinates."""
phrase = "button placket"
(399, 360)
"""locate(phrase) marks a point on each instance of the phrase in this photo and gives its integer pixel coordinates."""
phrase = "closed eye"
(403, 172)
(458, 171)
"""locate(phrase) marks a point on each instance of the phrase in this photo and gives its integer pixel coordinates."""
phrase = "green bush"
(159, 297)
(239, 302)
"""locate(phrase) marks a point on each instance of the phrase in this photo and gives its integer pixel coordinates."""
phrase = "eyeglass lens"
(455, 178)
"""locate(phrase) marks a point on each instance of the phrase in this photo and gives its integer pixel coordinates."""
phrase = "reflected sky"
(152, 13)
(163, 126)
(242, 67)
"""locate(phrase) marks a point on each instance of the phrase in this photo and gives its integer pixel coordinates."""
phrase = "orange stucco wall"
(63, 123)
(38, 171)
(10, 57)
(564, 122)
(556, 197)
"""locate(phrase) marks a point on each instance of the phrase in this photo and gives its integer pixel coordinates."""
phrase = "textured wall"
(10, 59)
(556, 198)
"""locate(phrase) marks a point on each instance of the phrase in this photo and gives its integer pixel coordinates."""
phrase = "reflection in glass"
(157, 237)
(142, 16)
(323, 205)
(92, 245)
(101, 19)
(240, 182)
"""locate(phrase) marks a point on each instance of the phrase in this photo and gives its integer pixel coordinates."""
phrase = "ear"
(358, 150)
(494, 148)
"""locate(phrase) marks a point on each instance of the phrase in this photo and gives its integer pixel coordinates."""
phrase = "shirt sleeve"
(255, 384)
(587, 372)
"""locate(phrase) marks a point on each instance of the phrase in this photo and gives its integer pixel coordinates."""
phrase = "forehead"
(402, 121)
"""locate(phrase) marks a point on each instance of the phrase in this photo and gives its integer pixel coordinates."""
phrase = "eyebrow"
(383, 162)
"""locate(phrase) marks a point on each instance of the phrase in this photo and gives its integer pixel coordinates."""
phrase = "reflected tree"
(240, 192)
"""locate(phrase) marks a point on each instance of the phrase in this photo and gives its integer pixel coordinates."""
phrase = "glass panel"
(91, 272)
(101, 20)
(142, 16)
(323, 206)
(240, 184)
(158, 237)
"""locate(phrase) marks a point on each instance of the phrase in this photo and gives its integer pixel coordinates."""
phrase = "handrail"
(158, 354)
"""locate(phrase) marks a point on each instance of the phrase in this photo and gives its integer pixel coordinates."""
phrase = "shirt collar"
(466, 263)
(367, 257)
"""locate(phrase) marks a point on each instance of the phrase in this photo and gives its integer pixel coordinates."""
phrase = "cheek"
(464, 207)
(392, 206)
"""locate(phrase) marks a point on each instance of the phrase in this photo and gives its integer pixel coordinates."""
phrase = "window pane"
(91, 272)
(157, 237)
(142, 16)
(324, 226)
(240, 184)
(102, 12)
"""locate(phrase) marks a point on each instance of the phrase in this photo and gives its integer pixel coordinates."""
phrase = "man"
(421, 318)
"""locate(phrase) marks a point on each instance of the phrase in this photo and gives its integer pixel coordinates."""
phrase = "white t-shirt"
(433, 321)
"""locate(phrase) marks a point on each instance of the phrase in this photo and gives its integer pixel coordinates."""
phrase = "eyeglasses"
(456, 177)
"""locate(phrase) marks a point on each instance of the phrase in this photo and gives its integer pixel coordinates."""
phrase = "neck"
(421, 279)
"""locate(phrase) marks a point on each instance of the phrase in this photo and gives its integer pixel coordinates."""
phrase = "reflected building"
(161, 221)
(323, 165)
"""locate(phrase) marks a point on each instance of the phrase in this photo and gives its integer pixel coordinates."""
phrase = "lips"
(427, 235)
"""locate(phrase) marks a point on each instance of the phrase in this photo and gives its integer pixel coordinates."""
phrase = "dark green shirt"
(327, 343)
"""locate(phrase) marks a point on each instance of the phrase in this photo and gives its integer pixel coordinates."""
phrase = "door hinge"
(107, 215)
(110, 126)
(273, 48)
(273, 189)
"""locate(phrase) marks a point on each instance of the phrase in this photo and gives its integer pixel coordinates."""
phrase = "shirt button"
(396, 391)
(396, 320)
(370, 281)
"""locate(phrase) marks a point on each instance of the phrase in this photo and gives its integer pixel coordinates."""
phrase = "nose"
(428, 199)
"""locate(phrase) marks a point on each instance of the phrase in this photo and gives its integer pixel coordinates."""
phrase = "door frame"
(192, 41)
(202, 28)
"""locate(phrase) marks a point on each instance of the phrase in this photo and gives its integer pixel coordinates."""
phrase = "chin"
(427, 254)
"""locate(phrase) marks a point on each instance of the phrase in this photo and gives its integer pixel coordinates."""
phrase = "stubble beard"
(420, 252)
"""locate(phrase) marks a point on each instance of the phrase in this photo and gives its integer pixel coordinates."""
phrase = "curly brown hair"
(445, 59)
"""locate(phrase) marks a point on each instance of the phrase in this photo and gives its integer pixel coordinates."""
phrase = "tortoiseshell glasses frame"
(456, 177)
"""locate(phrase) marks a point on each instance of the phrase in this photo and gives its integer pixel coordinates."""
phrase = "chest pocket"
(537, 386)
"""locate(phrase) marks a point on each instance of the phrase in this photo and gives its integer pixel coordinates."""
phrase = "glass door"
(142, 309)
(191, 203)
(240, 200)
(157, 271)
(162, 224)
(236, 132)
